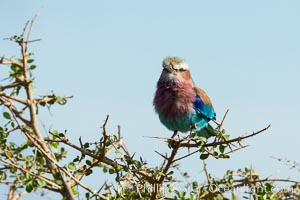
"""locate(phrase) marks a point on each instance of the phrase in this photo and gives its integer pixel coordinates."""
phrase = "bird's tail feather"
(207, 132)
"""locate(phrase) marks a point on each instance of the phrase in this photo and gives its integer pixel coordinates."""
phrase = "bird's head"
(175, 68)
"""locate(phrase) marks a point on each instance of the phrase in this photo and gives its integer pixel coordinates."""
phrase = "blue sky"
(245, 54)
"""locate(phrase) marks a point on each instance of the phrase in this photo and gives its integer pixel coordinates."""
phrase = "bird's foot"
(172, 144)
(171, 141)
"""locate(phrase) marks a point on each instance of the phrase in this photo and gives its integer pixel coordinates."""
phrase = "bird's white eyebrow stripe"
(183, 66)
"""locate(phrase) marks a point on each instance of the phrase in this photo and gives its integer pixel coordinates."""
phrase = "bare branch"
(12, 85)
(105, 160)
(30, 29)
(225, 115)
(50, 99)
(13, 110)
(161, 155)
(206, 173)
(238, 139)
(186, 156)
(14, 98)
(10, 62)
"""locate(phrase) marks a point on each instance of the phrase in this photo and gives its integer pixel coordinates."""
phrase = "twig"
(30, 30)
(9, 62)
(29, 172)
(105, 160)
(14, 98)
(238, 139)
(268, 180)
(242, 147)
(170, 161)
(49, 99)
(17, 114)
(161, 155)
(65, 171)
(105, 137)
(206, 173)
(25, 27)
(225, 115)
(292, 165)
(105, 122)
(186, 155)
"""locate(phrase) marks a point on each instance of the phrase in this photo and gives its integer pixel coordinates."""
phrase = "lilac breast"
(174, 99)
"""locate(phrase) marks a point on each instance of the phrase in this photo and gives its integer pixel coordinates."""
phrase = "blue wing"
(204, 113)
(203, 105)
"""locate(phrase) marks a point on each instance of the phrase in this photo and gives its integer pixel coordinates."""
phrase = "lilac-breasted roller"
(179, 103)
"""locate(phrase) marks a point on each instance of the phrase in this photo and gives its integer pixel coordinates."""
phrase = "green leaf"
(269, 187)
(30, 61)
(104, 169)
(71, 166)
(34, 183)
(18, 90)
(15, 68)
(226, 137)
(222, 148)
(58, 182)
(204, 156)
(202, 139)
(86, 145)
(29, 158)
(6, 115)
(195, 185)
(119, 167)
(54, 145)
(28, 176)
(76, 159)
(3, 176)
(32, 67)
(55, 135)
(225, 156)
(60, 100)
(13, 170)
(111, 171)
(170, 173)
(118, 153)
(137, 164)
(41, 182)
(74, 190)
(61, 135)
(88, 172)
(88, 162)
(9, 154)
(29, 187)
(12, 124)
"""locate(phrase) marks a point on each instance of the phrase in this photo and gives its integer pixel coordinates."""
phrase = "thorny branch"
(238, 139)
(23, 81)
(123, 167)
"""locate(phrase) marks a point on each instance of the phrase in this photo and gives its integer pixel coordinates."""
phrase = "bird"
(179, 103)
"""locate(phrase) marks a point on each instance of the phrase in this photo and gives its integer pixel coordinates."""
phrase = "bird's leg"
(171, 142)
(174, 134)
(192, 127)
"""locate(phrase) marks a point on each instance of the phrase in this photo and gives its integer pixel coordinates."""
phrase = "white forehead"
(176, 62)
(182, 65)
